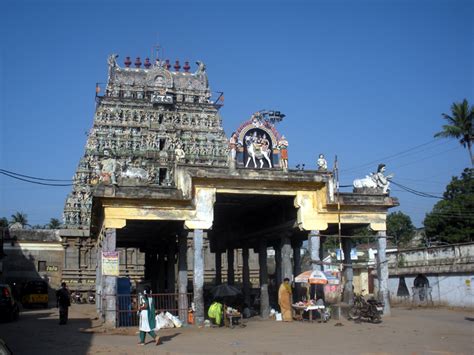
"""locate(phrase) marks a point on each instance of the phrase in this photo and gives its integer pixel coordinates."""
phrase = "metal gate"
(127, 307)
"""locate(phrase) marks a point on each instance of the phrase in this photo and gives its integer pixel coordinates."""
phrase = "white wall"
(447, 289)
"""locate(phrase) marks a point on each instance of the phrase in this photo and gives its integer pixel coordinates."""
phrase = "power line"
(415, 192)
(31, 181)
(427, 157)
(31, 177)
(391, 156)
(410, 190)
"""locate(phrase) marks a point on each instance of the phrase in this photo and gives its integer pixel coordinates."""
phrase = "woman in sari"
(284, 300)
(147, 317)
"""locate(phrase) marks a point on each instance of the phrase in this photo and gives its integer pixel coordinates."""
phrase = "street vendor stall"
(302, 307)
(232, 317)
(311, 277)
(226, 294)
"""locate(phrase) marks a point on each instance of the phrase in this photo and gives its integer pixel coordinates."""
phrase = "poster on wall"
(340, 254)
(110, 263)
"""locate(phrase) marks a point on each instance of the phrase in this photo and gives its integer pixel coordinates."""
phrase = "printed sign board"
(340, 254)
(110, 263)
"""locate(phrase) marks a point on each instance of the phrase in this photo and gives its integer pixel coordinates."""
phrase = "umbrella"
(225, 290)
(314, 277)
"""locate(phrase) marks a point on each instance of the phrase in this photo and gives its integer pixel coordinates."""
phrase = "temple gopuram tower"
(162, 196)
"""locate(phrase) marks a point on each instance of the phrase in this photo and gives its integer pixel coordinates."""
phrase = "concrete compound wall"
(455, 290)
(27, 250)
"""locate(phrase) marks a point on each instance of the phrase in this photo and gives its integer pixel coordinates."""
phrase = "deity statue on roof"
(233, 142)
(283, 147)
(322, 163)
(376, 180)
(112, 64)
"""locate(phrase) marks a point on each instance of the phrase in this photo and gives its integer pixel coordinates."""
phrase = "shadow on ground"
(39, 332)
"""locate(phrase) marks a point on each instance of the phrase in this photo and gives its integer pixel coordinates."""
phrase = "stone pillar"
(314, 245)
(218, 267)
(65, 245)
(286, 269)
(161, 271)
(98, 283)
(183, 277)
(110, 282)
(148, 264)
(153, 266)
(278, 271)
(246, 275)
(78, 248)
(321, 250)
(170, 260)
(198, 277)
(230, 266)
(262, 259)
(297, 267)
(320, 288)
(348, 293)
(382, 270)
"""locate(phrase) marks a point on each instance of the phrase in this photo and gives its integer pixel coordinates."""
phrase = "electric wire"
(31, 181)
(427, 157)
(410, 190)
(32, 177)
(415, 192)
(389, 157)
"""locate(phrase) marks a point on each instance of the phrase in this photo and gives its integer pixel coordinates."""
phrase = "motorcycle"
(76, 297)
(371, 309)
(91, 297)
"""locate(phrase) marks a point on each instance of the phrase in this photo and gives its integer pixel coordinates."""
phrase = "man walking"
(63, 301)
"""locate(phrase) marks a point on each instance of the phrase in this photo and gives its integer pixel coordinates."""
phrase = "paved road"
(415, 331)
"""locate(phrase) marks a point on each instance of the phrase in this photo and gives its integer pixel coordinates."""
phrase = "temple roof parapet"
(157, 79)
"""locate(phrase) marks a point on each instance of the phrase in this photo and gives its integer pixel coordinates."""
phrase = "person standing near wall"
(63, 302)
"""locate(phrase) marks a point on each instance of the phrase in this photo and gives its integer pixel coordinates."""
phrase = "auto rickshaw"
(35, 292)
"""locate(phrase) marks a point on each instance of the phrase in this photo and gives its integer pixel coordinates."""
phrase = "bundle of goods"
(167, 320)
(232, 311)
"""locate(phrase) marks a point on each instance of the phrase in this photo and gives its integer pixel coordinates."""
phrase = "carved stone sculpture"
(322, 163)
(377, 181)
(108, 171)
(179, 153)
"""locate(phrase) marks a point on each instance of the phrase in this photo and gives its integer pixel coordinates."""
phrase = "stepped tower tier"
(148, 121)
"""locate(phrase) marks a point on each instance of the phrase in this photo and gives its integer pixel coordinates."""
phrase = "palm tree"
(3, 222)
(54, 223)
(460, 125)
(21, 218)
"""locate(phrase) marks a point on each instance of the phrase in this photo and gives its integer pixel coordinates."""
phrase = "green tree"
(53, 223)
(400, 227)
(21, 218)
(460, 125)
(3, 222)
(452, 219)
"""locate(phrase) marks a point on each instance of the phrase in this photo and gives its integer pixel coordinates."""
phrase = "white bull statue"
(375, 180)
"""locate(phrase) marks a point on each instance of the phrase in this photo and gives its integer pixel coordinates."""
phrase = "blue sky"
(363, 80)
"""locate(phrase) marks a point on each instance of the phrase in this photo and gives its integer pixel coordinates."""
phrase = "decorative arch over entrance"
(258, 144)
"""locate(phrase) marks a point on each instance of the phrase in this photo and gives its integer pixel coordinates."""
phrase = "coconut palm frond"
(460, 125)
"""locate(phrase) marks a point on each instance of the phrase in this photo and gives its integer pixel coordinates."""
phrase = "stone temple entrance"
(161, 184)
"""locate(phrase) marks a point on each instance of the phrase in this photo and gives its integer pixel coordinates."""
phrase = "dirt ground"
(407, 331)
